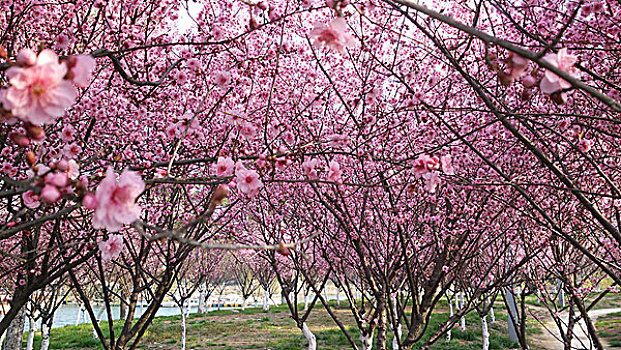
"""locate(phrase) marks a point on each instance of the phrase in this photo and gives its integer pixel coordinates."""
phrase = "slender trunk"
(15, 331)
(46, 325)
(182, 309)
(463, 318)
(561, 294)
(32, 327)
(266, 301)
(141, 305)
(570, 329)
(312, 340)
(492, 315)
(201, 303)
(451, 313)
(382, 328)
(485, 331)
(338, 296)
(98, 318)
(305, 301)
(592, 332)
(367, 341)
(397, 332)
(122, 307)
(77, 318)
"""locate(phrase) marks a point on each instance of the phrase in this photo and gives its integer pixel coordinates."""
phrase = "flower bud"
(20, 140)
(282, 249)
(89, 201)
(31, 159)
(50, 194)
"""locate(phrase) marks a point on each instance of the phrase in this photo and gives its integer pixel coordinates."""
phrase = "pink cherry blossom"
(112, 248)
(82, 69)
(58, 179)
(564, 61)
(334, 171)
(31, 200)
(26, 57)
(117, 200)
(518, 66)
(74, 170)
(50, 194)
(89, 201)
(333, 35)
(223, 79)
(248, 182)
(585, 145)
(447, 164)
(424, 163)
(38, 94)
(67, 133)
(224, 167)
(432, 180)
(309, 167)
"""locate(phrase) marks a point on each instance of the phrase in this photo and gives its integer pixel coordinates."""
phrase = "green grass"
(609, 329)
(255, 329)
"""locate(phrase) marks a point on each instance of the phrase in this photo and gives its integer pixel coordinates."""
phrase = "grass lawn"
(255, 329)
(609, 329)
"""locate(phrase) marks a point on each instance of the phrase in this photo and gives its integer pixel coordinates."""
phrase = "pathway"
(551, 339)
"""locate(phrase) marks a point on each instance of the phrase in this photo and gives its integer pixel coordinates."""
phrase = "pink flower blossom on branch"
(39, 93)
(31, 200)
(248, 182)
(81, 69)
(116, 200)
(551, 82)
(224, 167)
(112, 248)
(333, 35)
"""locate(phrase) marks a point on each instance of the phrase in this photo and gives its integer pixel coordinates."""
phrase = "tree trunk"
(492, 315)
(398, 331)
(77, 317)
(15, 331)
(382, 329)
(485, 331)
(451, 313)
(306, 301)
(312, 340)
(32, 327)
(338, 296)
(201, 303)
(367, 341)
(46, 325)
(98, 318)
(463, 318)
(266, 301)
(183, 331)
(122, 307)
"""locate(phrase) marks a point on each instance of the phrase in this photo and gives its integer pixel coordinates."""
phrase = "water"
(66, 315)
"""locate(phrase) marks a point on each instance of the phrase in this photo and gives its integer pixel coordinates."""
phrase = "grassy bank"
(255, 329)
(609, 329)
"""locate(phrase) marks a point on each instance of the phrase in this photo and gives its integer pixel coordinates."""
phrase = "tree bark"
(451, 313)
(485, 332)
(312, 340)
(32, 327)
(46, 325)
(15, 331)
(183, 326)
